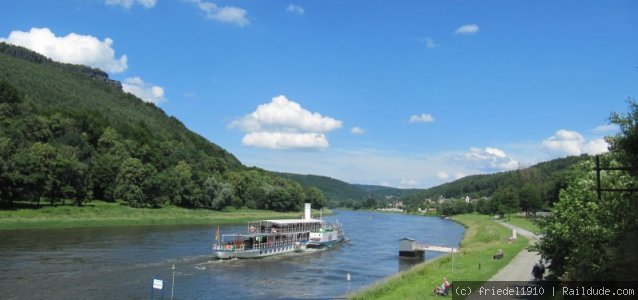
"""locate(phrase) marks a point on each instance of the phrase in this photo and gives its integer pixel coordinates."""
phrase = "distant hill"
(546, 175)
(69, 132)
(59, 87)
(333, 189)
(383, 191)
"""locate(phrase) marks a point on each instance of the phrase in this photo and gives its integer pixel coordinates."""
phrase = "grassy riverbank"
(525, 223)
(98, 213)
(474, 262)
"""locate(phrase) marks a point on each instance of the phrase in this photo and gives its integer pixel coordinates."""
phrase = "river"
(120, 263)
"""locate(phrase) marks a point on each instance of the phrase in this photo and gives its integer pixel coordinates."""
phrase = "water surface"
(119, 263)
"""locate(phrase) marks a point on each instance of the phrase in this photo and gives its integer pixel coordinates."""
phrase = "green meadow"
(99, 213)
(473, 262)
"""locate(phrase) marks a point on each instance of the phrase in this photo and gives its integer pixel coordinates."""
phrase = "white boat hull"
(257, 253)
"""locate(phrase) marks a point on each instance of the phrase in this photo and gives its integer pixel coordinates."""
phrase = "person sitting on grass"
(443, 289)
(499, 254)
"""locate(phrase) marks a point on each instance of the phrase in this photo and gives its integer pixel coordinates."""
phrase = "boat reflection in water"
(274, 237)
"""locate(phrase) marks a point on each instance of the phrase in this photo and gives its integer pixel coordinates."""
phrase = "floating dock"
(409, 248)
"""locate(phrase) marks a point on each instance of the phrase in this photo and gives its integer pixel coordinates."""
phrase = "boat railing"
(232, 248)
(268, 227)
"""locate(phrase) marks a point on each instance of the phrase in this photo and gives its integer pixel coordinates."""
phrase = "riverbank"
(99, 213)
(483, 237)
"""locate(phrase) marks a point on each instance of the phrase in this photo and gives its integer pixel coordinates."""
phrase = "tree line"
(55, 154)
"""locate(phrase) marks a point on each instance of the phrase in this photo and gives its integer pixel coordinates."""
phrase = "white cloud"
(442, 175)
(573, 143)
(467, 29)
(429, 42)
(423, 118)
(490, 159)
(285, 140)
(283, 124)
(606, 128)
(594, 147)
(129, 3)
(226, 14)
(495, 152)
(357, 130)
(569, 142)
(459, 175)
(295, 9)
(73, 48)
(143, 90)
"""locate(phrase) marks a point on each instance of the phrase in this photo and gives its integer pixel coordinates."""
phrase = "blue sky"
(398, 93)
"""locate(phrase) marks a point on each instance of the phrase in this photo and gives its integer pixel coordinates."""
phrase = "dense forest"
(69, 133)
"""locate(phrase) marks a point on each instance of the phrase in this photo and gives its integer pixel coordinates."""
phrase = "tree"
(35, 171)
(184, 193)
(315, 197)
(582, 234)
(625, 143)
(217, 194)
(134, 183)
(504, 201)
(530, 198)
(591, 237)
(9, 94)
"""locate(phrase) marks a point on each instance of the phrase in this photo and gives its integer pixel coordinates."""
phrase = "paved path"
(519, 268)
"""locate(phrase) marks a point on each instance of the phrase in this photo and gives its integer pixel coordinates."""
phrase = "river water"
(120, 263)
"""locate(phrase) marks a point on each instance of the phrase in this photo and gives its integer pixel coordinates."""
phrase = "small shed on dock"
(407, 248)
(407, 244)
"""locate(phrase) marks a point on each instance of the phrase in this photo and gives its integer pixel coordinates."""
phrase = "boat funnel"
(307, 211)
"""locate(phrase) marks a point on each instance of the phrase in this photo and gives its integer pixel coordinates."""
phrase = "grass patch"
(474, 262)
(99, 213)
(526, 223)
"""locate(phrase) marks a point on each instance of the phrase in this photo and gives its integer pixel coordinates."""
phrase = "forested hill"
(335, 190)
(89, 93)
(547, 178)
(68, 132)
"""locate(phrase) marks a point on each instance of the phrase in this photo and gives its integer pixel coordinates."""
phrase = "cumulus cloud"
(606, 128)
(467, 29)
(284, 124)
(73, 48)
(573, 143)
(285, 140)
(357, 130)
(226, 14)
(143, 90)
(295, 9)
(422, 118)
(490, 159)
(442, 175)
(129, 3)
